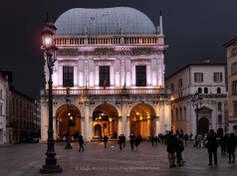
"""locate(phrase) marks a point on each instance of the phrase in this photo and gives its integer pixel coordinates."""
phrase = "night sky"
(194, 30)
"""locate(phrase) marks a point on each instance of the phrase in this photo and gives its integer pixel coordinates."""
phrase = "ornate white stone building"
(111, 61)
(208, 81)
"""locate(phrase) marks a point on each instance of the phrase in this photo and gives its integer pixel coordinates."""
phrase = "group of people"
(212, 145)
(175, 147)
(212, 141)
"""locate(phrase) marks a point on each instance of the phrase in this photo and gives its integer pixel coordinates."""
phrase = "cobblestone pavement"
(27, 159)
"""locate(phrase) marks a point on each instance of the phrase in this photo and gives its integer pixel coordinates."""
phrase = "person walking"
(132, 140)
(120, 142)
(124, 140)
(231, 147)
(212, 146)
(138, 140)
(223, 141)
(179, 150)
(81, 143)
(171, 148)
(105, 140)
(186, 139)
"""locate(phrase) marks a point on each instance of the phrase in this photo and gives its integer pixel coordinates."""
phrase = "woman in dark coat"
(231, 147)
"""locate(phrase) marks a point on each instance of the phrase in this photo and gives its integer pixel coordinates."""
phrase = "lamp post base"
(68, 146)
(49, 169)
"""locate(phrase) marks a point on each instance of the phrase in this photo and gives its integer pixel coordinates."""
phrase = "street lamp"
(197, 104)
(68, 146)
(49, 48)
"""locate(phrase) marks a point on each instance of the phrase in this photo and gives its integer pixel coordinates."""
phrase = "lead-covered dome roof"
(105, 21)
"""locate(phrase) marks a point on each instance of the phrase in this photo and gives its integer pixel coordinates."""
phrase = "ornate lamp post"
(50, 53)
(197, 104)
(68, 146)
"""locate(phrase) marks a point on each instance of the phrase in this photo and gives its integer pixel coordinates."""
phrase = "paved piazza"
(27, 159)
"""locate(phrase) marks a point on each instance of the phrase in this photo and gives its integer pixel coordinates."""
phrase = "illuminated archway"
(142, 120)
(62, 121)
(106, 116)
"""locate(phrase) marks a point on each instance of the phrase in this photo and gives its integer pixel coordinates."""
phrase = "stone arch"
(68, 116)
(142, 121)
(105, 115)
(203, 125)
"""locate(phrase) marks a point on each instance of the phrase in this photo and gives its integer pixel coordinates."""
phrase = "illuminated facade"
(208, 80)
(112, 62)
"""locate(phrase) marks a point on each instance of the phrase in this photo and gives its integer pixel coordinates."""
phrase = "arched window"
(177, 114)
(218, 90)
(200, 90)
(205, 90)
(219, 106)
(181, 113)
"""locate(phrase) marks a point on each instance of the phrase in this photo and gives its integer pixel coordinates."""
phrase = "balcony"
(108, 91)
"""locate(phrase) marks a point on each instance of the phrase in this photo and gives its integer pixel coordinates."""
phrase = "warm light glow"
(110, 119)
(137, 113)
(48, 41)
(141, 118)
(71, 118)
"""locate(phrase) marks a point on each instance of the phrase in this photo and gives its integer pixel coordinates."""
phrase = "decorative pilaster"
(120, 125)
(162, 117)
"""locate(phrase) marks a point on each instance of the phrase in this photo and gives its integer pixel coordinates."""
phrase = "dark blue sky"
(194, 30)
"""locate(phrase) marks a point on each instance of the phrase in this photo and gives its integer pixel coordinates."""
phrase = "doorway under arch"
(142, 120)
(62, 115)
(105, 121)
(203, 126)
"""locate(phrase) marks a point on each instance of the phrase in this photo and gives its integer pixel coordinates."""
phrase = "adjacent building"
(199, 97)
(111, 64)
(231, 55)
(3, 104)
(23, 124)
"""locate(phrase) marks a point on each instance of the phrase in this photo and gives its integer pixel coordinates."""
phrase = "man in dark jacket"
(212, 145)
(171, 148)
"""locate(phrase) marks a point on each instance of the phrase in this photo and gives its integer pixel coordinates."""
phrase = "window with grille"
(235, 107)
(104, 77)
(234, 68)
(140, 75)
(234, 87)
(68, 76)
(217, 77)
(198, 77)
(234, 52)
(180, 82)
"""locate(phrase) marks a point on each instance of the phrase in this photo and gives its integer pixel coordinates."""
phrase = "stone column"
(128, 127)
(157, 125)
(167, 116)
(120, 125)
(162, 118)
